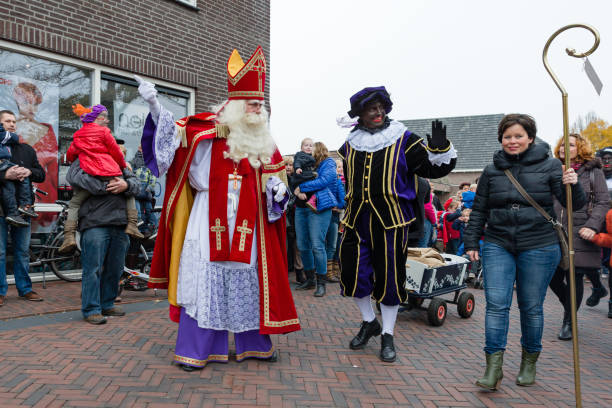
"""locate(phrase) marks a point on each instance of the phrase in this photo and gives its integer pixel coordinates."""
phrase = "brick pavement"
(127, 363)
(61, 296)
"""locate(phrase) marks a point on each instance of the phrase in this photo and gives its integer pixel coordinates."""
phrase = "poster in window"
(129, 119)
(36, 106)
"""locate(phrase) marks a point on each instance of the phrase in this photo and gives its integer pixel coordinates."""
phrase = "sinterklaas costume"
(220, 249)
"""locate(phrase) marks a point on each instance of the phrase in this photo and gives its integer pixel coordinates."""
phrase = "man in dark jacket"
(102, 221)
(27, 166)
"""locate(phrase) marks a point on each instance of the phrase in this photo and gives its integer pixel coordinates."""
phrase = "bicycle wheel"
(65, 266)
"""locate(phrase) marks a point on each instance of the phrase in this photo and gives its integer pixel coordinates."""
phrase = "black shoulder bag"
(563, 240)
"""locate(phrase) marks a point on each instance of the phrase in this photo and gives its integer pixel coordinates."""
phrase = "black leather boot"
(597, 294)
(309, 283)
(299, 276)
(387, 349)
(566, 329)
(320, 290)
(610, 307)
(367, 330)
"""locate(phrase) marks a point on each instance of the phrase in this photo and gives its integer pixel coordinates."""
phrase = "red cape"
(277, 310)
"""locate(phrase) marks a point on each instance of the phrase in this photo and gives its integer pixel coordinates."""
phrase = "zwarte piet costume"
(380, 166)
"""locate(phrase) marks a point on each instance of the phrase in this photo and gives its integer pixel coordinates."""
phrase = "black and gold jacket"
(383, 181)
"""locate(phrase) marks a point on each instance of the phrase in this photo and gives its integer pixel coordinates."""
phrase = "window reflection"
(127, 113)
(41, 93)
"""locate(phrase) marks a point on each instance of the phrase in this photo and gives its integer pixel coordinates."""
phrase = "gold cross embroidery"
(218, 229)
(243, 230)
(235, 178)
(261, 69)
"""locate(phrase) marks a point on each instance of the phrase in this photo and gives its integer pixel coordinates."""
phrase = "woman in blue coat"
(310, 226)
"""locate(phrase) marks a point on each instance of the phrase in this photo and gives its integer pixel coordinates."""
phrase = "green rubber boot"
(493, 373)
(527, 372)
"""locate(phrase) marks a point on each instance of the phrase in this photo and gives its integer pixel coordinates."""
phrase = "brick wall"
(158, 38)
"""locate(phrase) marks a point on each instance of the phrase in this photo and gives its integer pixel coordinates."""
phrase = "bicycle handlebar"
(37, 190)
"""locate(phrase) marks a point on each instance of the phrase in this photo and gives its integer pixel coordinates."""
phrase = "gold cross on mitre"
(218, 229)
(243, 230)
(235, 178)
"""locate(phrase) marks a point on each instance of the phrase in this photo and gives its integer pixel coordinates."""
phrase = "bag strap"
(527, 197)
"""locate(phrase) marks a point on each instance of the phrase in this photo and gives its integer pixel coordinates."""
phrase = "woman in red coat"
(99, 156)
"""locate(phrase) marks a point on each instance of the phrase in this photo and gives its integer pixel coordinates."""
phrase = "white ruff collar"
(365, 141)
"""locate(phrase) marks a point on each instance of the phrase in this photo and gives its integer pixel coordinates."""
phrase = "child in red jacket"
(450, 236)
(99, 156)
(604, 239)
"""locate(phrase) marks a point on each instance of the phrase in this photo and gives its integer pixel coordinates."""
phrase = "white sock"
(389, 315)
(365, 305)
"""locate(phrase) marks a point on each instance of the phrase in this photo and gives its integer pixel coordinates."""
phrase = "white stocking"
(365, 305)
(389, 315)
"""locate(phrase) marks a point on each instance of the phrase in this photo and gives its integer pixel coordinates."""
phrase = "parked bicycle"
(138, 263)
(45, 254)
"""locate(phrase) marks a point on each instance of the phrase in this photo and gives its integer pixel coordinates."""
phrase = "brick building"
(55, 53)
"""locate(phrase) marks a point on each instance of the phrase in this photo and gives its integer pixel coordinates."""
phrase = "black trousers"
(373, 260)
(561, 287)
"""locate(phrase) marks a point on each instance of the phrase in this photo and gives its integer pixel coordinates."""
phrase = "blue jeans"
(331, 239)
(424, 242)
(146, 214)
(20, 238)
(532, 270)
(103, 251)
(310, 231)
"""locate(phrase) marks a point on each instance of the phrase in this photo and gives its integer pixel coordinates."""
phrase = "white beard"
(249, 135)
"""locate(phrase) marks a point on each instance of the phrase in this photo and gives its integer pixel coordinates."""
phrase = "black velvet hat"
(361, 98)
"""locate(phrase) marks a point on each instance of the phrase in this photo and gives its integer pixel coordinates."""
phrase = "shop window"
(127, 112)
(41, 93)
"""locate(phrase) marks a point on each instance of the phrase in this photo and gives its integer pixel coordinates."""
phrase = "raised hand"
(437, 140)
(149, 94)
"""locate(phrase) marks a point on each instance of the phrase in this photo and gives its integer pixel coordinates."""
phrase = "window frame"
(97, 70)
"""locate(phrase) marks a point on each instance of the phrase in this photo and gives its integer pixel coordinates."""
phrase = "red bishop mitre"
(246, 81)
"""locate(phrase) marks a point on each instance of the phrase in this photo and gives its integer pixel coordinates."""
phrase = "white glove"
(281, 190)
(149, 94)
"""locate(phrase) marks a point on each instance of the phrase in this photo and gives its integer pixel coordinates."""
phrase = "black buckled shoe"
(387, 349)
(367, 330)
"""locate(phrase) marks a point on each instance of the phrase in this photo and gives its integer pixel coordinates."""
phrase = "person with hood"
(381, 158)
(520, 245)
(145, 200)
(588, 221)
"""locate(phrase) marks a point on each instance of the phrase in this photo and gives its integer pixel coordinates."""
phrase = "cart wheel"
(415, 302)
(436, 312)
(465, 305)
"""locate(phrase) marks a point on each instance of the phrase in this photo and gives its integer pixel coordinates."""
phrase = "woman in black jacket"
(588, 221)
(519, 244)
